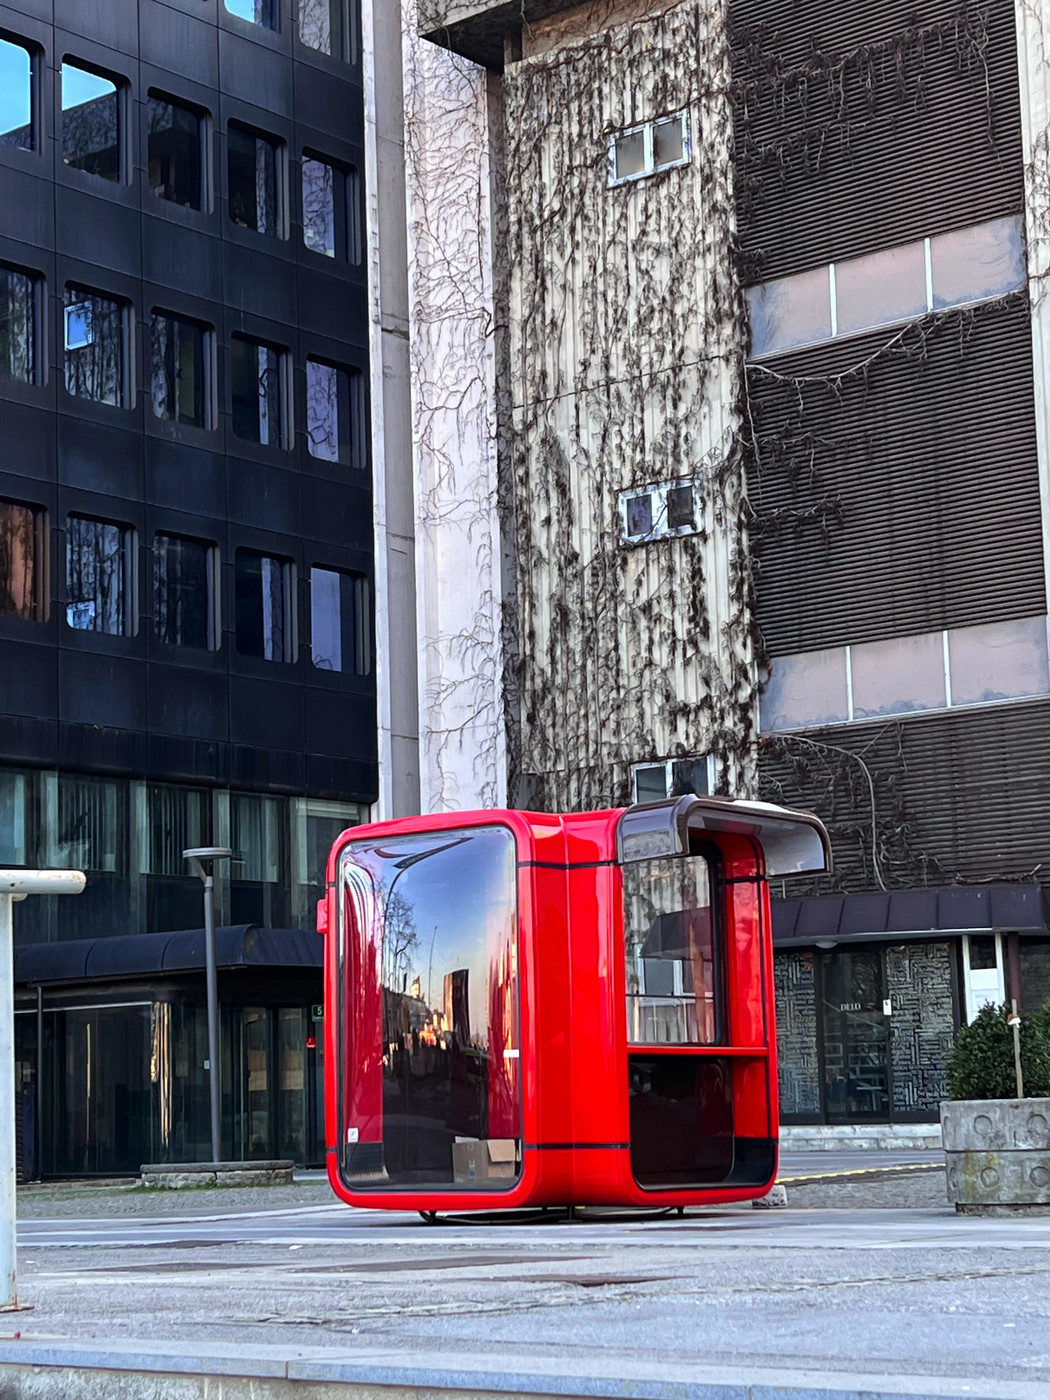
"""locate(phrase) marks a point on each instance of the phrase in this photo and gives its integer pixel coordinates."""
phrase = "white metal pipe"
(25, 882)
(8, 1298)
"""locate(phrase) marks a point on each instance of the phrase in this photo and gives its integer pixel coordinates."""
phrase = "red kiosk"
(534, 1010)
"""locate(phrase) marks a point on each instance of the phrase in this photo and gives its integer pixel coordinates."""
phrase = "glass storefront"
(125, 1083)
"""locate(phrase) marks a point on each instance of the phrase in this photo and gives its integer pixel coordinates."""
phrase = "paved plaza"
(284, 1292)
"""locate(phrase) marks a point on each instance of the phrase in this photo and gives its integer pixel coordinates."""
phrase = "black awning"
(151, 954)
(955, 909)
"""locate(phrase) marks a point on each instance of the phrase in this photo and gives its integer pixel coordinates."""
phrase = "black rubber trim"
(574, 1146)
(565, 865)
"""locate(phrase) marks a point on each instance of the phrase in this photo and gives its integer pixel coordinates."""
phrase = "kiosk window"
(673, 955)
(430, 1011)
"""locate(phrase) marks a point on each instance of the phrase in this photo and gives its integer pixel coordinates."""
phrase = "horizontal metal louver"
(902, 499)
(961, 795)
(861, 127)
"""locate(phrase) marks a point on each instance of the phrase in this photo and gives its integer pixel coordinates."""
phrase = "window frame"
(124, 341)
(343, 18)
(289, 594)
(659, 529)
(647, 129)
(35, 55)
(362, 661)
(282, 441)
(346, 207)
(37, 301)
(204, 129)
(212, 584)
(129, 550)
(274, 28)
(208, 349)
(40, 607)
(279, 146)
(668, 764)
(120, 100)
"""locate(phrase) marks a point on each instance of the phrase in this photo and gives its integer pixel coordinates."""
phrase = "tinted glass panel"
(175, 153)
(790, 311)
(94, 347)
(252, 161)
(257, 400)
(629, 154)
(262, 607)
(90, 122)
(178, 364)
(21, 563)
(16, 97)
(880, 288)
(13, 833)
(1000, 661)
(896, 677)
(673, 966)
(806, 689)
(668, 142)
(985, 261)
(319, 206)
(97, 576)
(316, 27)
(182, 598)
(681, 514)
(17, 325)
(430, 1004)
(681, 1116)
(339, 621)
(91, 817)
(262, 12)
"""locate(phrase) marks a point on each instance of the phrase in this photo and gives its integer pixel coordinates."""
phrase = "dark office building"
(186, 553)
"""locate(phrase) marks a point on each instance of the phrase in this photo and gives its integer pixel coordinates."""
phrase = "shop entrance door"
(856, 1036)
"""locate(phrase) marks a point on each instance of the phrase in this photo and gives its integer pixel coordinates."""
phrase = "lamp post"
(196, 856)
(14, 886)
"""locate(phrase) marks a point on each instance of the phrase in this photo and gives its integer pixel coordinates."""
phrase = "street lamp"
(196, 855)
(14, 886)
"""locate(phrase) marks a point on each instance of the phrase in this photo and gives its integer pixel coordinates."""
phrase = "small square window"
(184, 591)
(340, 622)
(179, 370)
(91, 122)
(23, 561)
(256, 185)
(175, 154)
(645, 149)
(629, 154)
(95, 329)
(669, 142)
(681, 514)
(330, 205)
(650, 782)
(19, 297)
(100, 559)
(639, 515)
(261, 12)
(263, 606)
(17, 97)
(258, 391)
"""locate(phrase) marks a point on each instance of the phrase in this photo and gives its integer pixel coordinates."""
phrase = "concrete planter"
(997, 1152)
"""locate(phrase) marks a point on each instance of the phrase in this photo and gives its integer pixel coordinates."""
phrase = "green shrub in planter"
(981, 1062)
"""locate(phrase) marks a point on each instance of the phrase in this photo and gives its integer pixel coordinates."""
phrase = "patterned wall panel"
(796, 1005)
(919, 984)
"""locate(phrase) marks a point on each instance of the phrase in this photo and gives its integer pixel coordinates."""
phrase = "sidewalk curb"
(32, 1370)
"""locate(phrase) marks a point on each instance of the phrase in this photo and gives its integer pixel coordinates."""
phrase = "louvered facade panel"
(864, 127)
(956, 796)
(905, 497)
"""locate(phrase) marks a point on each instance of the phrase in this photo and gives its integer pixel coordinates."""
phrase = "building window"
(255, 180)
(335, 413)
(261, 12)
(962, 666)
(100, 558)
(330, 204)
(673, 777)
(263, 606)
(328, 27)
(896, 285)
(18, 340)
(17, 97)
(13, 818)
(660, 512)
(23, 562)
(175, 154)
(184, 591)
(179, 364)
(87, 832)
(315, 826)
(648, 148)
(94, 347)
(258, 391)
(91, 122)
(340, 621)
(179, 819)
